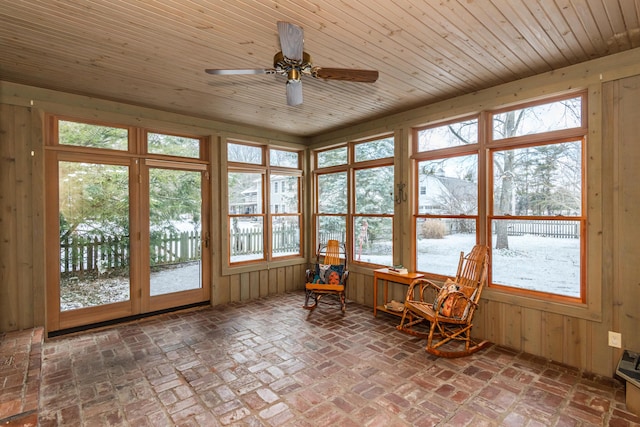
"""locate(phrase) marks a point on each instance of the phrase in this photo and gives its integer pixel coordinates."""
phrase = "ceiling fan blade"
(218, 71)
(291, 40)
(352, 75)
(293, 63)
(294, 92)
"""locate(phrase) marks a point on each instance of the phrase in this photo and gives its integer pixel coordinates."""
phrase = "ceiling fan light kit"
(293, 62)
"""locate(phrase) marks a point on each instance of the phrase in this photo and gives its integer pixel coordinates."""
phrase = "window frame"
(276, 214)
(443, 154)
(137, 160)
(350, 167)
(537, 140)
(265, 170)
(485, 149)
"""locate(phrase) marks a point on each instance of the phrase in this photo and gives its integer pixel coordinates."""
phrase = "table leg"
(386, 291)
(375, 295)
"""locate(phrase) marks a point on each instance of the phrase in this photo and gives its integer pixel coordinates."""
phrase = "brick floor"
(271, 363)
(20, 365)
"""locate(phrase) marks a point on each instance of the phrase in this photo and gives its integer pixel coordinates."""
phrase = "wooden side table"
(387, 276)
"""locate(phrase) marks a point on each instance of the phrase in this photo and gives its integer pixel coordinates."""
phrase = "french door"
(126, 235)
(174, 239)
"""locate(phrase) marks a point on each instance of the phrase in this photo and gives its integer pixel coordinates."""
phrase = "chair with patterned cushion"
(328, 276)
(450, 313)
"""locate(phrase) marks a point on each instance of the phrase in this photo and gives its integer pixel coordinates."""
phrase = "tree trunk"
(506, 194)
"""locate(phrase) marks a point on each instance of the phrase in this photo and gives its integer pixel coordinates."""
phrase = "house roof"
(154, 54)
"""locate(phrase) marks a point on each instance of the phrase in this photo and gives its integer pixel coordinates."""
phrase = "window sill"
(262, 265)
(592, 312)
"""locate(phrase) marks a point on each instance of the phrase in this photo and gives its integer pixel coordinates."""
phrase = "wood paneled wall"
(612, 261)
(22, 196)
(623, 107)
(21, 218)
(576, 340)
(258, 284)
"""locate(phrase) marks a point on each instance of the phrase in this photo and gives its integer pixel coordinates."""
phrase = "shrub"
(432, 229)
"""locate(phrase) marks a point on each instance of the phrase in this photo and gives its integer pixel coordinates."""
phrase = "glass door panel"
(126, 235)
(175, 230)
(94, 234)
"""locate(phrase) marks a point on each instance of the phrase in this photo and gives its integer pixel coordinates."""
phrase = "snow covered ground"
(543, 264)
(104, 290)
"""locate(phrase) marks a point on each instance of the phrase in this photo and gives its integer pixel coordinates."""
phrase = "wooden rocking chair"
(450, 313)
(328, 276)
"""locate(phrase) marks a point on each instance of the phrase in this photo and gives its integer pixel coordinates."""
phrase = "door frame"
(176, 299)
(134, 157)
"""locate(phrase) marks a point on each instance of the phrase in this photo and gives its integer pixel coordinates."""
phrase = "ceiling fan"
(293, 62)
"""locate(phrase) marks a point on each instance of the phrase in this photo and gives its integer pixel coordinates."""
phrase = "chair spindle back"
(472, 269)
(332, 255)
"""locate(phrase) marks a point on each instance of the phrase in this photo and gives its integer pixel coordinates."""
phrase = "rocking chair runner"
(328, 276)
(450, 314)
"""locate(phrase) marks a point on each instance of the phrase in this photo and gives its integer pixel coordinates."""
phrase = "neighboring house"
(439, 194)
(281, 195)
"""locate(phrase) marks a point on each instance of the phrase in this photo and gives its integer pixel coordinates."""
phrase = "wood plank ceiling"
(153, 53)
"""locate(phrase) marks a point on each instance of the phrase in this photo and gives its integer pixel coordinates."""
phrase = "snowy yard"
(544, 264)
(537, 263)
(104, 290)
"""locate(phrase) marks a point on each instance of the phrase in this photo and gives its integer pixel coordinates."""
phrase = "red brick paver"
(20, 364)
(271, 363)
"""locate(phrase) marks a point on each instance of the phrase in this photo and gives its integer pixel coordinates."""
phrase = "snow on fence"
(550, 228)
(175, 248)
(544, 228)
(102, 253)
(249, 241)
(324, 237)
(83, 254)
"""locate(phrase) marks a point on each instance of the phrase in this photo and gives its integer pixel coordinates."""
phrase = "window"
(536, 119)
(172, 145)
(447, 203)
(536, 216)
(285, 159)
(373, 215)
(246, 219)
(448, 135)
(335, 157)
(252, 210)
(332, 207)
(93, 136)
(355, 198)
(534, 200)
(241, 153)
(286, 217)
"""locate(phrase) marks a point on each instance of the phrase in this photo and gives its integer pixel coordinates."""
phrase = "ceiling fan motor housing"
(291, 67)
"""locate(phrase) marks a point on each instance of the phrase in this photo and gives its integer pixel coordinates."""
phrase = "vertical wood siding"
(578, 342)
(626, 209)
(570, 340)
(21, 218)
